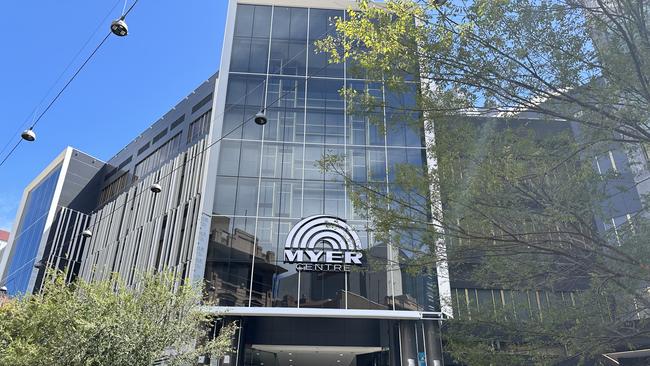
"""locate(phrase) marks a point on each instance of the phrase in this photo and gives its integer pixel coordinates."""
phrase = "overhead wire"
(38, 119)
(32, 115)
(124, 7)
(200, 153)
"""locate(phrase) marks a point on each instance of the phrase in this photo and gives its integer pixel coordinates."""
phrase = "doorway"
(291, 355)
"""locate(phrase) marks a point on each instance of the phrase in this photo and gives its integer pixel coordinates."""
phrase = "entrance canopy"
(324, 313)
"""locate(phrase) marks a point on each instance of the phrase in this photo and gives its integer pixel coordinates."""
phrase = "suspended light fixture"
(39, 264)
(260, 118)
(87, 233)
(156, 188)
(3, 289)
(28, 135)
(119, 27)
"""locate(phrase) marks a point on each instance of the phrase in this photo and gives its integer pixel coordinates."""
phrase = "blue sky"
(173, 46)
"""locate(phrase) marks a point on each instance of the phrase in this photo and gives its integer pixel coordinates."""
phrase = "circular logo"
(323, 229)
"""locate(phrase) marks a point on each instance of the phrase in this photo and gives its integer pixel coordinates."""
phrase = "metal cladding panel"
(65, 245)
(140, 231)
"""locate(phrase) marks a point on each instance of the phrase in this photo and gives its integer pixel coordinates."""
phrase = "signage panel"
(323, 243)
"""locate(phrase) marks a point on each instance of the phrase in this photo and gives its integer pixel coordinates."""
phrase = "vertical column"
(408, 344)
(237, 344)
(432, 345)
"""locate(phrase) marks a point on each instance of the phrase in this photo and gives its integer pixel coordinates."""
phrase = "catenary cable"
(32, 115)
(234, 105)
(200, 154)
(38, 119)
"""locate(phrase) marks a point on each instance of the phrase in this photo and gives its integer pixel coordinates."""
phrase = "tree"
(522, 95)
(108, 323)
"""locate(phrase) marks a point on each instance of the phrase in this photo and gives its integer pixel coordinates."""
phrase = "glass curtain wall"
(29, 234)
(269, 178)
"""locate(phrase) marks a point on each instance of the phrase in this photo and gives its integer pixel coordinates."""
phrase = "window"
(158, 157)
(113, 189)
(289, 41)
(159, 136)
(200, 104)
(125, 162)
(251, 40)
(178, 121)
(29, 233)
(143, 148)
(321, 24)
(199, 127)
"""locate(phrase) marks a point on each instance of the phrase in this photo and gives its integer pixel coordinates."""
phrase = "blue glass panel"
(29, 234)
(307, 117)
(321, 24)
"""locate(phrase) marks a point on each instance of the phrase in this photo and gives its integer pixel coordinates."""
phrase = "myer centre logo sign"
(323, 243)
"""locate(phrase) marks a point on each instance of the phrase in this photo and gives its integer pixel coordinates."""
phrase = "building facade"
(59, 204)
(247, 209)
(281, 232)
(61, 192)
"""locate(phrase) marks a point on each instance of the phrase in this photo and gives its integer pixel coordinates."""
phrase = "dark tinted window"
(143, 148)
(159, 136)
(125, 162)
(203, 102)
(177, 122)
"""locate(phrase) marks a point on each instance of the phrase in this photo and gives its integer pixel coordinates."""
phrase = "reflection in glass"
(269, 177)
(232, 253)
(246, 203)
(321, 24)
(28, 236)
(325, 93)
(285, 124)
(282, 160)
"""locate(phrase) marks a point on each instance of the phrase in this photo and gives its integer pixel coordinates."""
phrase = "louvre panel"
(140, 231)
(66, 244)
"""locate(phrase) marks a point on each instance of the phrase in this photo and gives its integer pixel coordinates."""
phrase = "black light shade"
(260, 118)
(119, 28)
(3, 289)
(156, 188)
(87, 233)
(28, 135)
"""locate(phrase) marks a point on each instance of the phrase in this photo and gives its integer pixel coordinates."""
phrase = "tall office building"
(284, 242)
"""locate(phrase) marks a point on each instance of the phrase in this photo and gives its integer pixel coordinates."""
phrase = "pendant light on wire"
(28, 135)
(155, 188)
(118, 26)
(260, 118)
